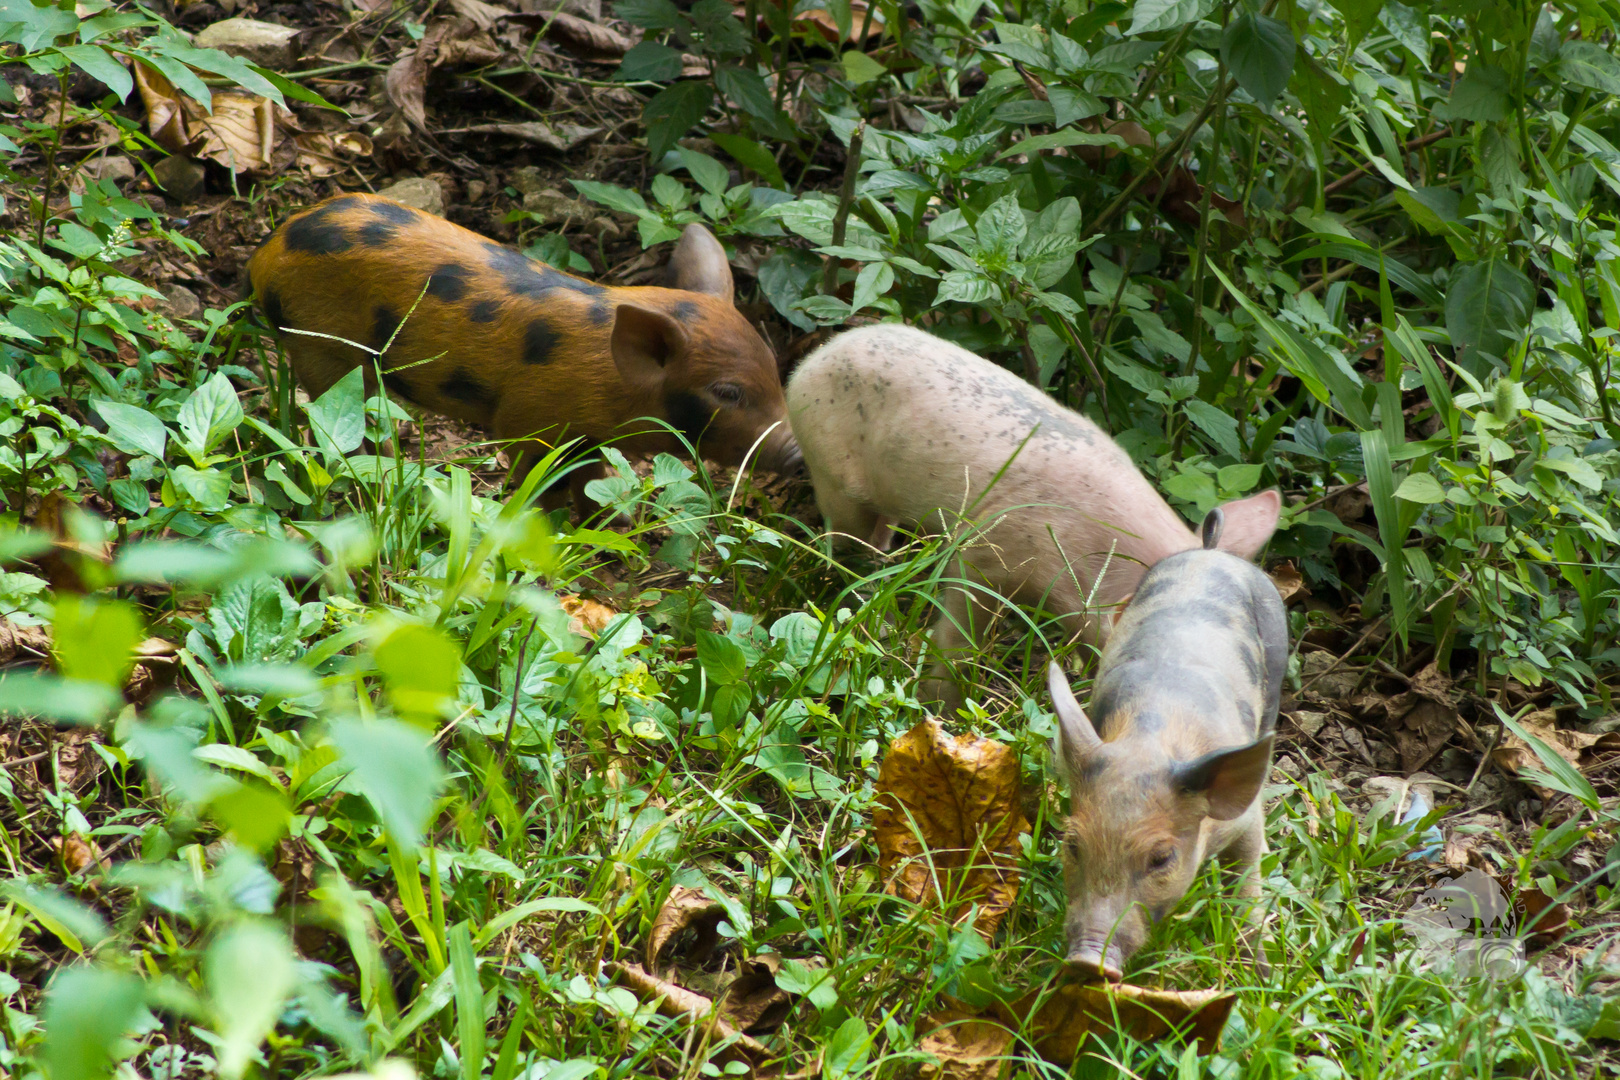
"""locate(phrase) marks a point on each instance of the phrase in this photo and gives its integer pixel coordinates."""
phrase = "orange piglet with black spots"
(533, 355)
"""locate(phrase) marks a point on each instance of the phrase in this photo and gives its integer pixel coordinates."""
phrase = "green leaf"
(132, 429)
(650, 14)
(1432, 208)
(750, 155)
(1324, 96)
(1359, 16)
(874, 280)
(40, 696)
(98, 63)
(1488, 307)
(746, 89)
(723, 660)
(847, 1050)
(709, 173)
(1381, 491)
(1151, 16)
(1002, 226)
(1590, 65)
(78, 927)
(209, 414)
(337, 418)
(1067, 137)
(786, 278)
(32, 25)
(1480, 95)
(1420, 487)
(248, 971)
(95, 639)
(612, 196)
(469, 1002)
(672, 113)
(860, 69)
(648, 61)
(423, 668)
(815, 983)
(393, 764)
(87, 1010)
(512, 916)
(1259, 51)
(965, 287)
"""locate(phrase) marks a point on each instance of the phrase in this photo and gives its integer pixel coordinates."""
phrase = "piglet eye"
(1162, 858)
(728, 393)
(1073, 848)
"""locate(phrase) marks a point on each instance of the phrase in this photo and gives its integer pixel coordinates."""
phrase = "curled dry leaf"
(686, 910)
(679, 1003)
(23, 642)
(1584, 751)
(582, 37)
(240, 132)
(78, 854)
(753, 1002)
(588, 618)
(322, 153)
(968, 1047)
(1290, 583)
(406, 86)
(1058, 1022)
(962, 794)
(1423, 718)
(482, 15)
(559, 136)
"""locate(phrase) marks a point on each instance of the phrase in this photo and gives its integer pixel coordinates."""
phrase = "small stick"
(846, 198)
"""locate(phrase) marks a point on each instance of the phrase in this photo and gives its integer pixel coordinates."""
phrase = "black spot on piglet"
(687, 413)
(449, 283)
(384, 323)
(319, 232)
(538, 341)
(270, 301)
(462, 386)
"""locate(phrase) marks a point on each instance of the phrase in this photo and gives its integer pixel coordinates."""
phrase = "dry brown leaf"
(582, 37)
(240, 133)
(480, 14)
(588, 618)
(1544, 921)
(968, 1047)
(406, 86)
(753, 1002)
(25, 642)
(559, 136)
(1289, 581)
(77, 763)
(322, 153)
(685, 910)
(682, 1004)
(962, 793)
(1584, 751)
(819, 21)
(72, 564)
(1058, 1022)
(78, 854)
(475, 49)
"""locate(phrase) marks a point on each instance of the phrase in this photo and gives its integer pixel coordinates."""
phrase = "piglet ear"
(1248, 523)
(1076, 737)
(700, 264)
(644, 343)
(1229, 779)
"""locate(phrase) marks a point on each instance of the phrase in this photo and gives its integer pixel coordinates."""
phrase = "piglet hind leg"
(965, 618)
(1242, 856)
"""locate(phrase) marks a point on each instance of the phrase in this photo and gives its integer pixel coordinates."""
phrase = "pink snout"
(1094, 962)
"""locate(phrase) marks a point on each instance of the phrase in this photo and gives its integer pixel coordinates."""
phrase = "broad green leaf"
(1488, 306)
(847, 1051)
(1480, 95)
(227, 756)
(397, 770)
(1433, 208)
(75, 925)
(746, 88)
(338, 417)
(648, 61)
(860, 69)
(95, 639)
(612, 196)
(512, 916)
(132, 429)
(1151, 16)
(1259, 51)
(1381, 491)
(1420, 487)
(87, 1010)
(1067, 137)
(723, 659)
(255, 816)
(209, 414)
(965, 287)
(1002, 226)
(248, 971)
(874, 280)
(98, 63)
(709, 173)
(750, 155)
(673, 112)
(422, 667)
(1360, 16)
(1590, 65)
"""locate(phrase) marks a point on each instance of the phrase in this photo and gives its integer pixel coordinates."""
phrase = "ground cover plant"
(327, 750)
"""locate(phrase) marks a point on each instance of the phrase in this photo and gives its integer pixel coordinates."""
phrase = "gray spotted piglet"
(1184, 708)
(900, 427)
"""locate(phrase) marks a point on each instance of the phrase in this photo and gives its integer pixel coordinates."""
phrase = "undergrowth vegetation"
(316, 756)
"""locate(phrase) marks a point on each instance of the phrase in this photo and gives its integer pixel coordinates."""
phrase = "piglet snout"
(790, 459)
(1096, 962)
